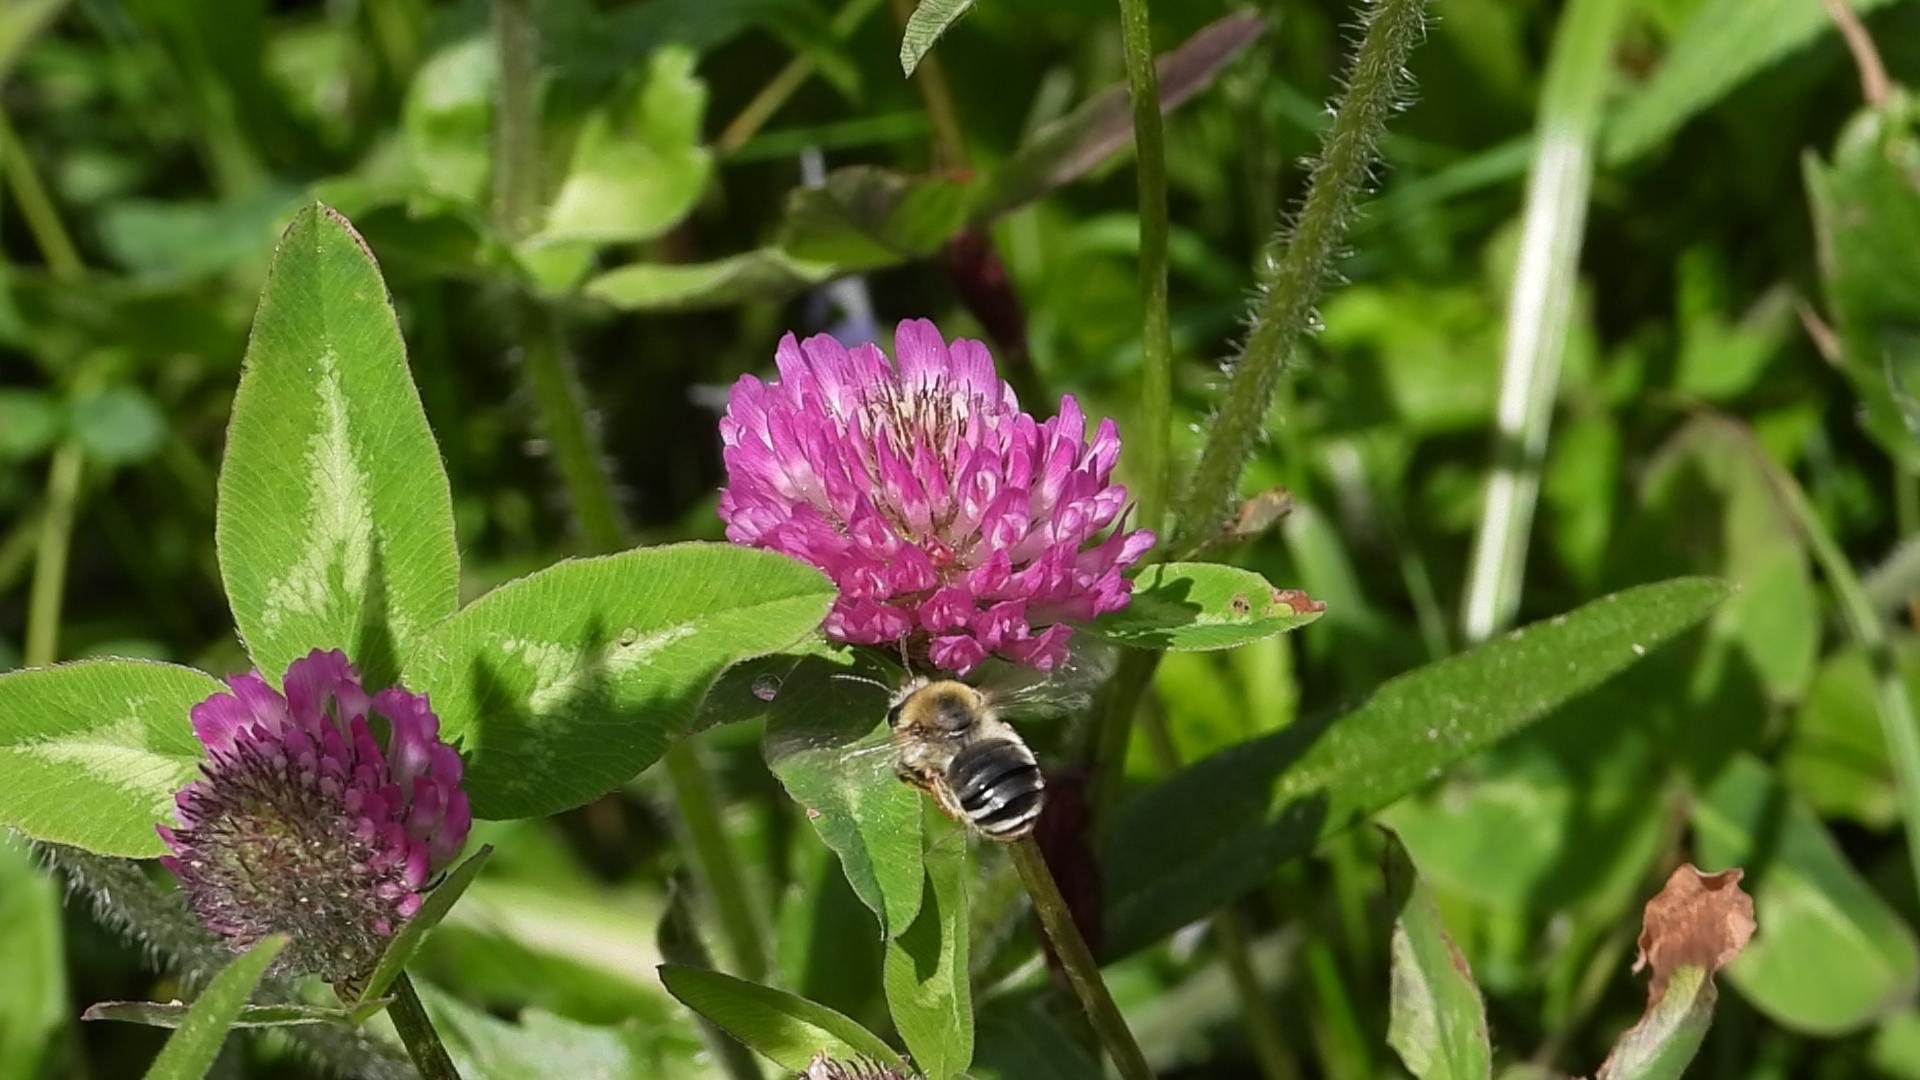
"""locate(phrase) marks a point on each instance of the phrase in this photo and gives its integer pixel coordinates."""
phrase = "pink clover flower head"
(950, 519)
(321, 813)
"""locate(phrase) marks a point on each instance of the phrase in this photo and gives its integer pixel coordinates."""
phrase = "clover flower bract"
(951, 520)
(322, 814)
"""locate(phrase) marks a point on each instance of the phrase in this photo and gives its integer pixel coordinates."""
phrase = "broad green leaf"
(1018, 1040)
(827, 741)
(1193, 607)
(1066, 149)
(1866, 215)
(33, 997)
(1831, 955)
(118, 425)
(175, 1014)
(564, 684)
(787, 1029)
(1219, 827)
(400, 950)
(1727, 42)
(190, 1051)
(91, 753)
(1663, 1043)
(826, 948)
(765, 273)
(335, 524)
(864, 217)
(1439, 1023)
(638, 166)
(930, 19)
(447, 121)
(1835, 755)
(29, 422)
(925, 972)
(543, 1046)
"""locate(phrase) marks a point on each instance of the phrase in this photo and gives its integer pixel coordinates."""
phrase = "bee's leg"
(910, 775)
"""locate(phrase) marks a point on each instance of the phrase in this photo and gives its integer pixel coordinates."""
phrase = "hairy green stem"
(1082, 971)
(930, 77)
(1374, 86)
(565, 420)
(127, 901)
(516, 122)
(786, 82)
(416, 1031)
(1151, 446)
(1540, 306)
(50, 562)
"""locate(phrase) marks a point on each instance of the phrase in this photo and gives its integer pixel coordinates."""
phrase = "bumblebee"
(952, 743)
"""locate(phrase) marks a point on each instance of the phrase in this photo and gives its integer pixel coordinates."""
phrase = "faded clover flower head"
(825, 1068)
(321, 813)
(950, 520)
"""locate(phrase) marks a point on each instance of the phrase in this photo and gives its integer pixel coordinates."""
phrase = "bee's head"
(947, 707)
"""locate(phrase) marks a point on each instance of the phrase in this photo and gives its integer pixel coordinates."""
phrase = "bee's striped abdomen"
(998, 786)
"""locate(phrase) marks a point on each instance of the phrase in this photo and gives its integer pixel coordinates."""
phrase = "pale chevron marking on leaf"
(559, 671)
(118, 753)
(341, 534)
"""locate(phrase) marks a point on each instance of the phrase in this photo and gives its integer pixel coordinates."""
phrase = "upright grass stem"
(50, 561)
(1151, 447)
(785, 82)
(1540, 306)
(1898, 723)
(1082, 970)
(1374, 89)
(416, 1031)
(564, 417)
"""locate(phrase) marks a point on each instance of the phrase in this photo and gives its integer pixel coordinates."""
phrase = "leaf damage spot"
(1296, 601)
(1697, 920)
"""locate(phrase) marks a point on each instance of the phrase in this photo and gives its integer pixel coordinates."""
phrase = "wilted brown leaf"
(1697, 920)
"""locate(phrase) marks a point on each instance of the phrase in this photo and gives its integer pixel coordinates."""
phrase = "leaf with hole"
(1195, 607)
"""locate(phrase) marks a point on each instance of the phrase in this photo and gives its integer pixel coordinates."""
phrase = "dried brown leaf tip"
(1697, 920)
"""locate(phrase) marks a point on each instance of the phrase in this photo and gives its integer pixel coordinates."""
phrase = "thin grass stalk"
(1899, 725)
(48, 591)
(1540, 306)
(936, 94)
(786, 82)
(1151, 447)
(1376, 82)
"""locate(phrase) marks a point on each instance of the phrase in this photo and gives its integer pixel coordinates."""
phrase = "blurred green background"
(1748, 306)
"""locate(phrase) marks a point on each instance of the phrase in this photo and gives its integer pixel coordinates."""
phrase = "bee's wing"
(1023, 693)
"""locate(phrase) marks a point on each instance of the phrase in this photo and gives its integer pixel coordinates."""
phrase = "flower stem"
(569, 431)
(1374, 83)
(930, 77)
(1540, 307)
(786, 82)
(1082, 971)
(1152, 445)
(423, 1042)
(50, 564)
